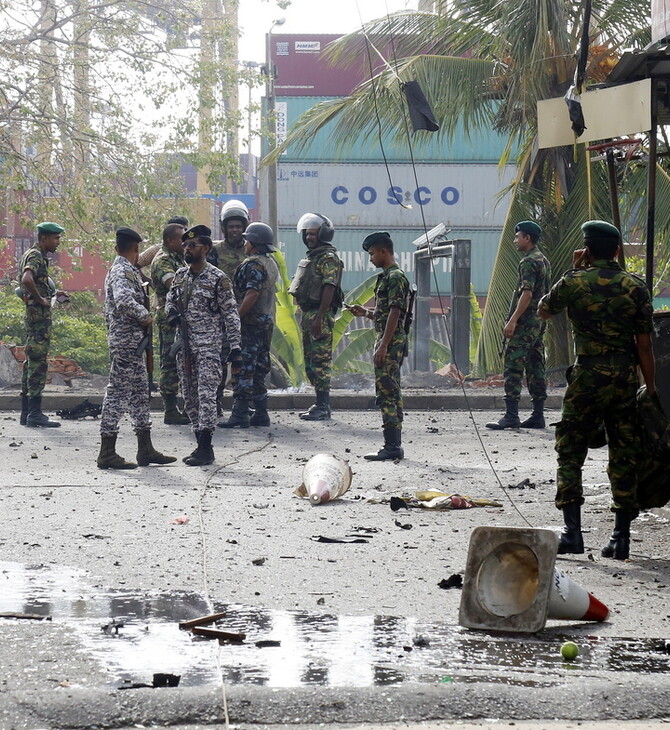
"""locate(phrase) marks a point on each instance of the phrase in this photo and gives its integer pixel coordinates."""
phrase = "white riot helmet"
(316, 220)
(234, 209)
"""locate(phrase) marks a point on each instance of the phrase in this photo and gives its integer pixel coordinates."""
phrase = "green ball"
(569, 651)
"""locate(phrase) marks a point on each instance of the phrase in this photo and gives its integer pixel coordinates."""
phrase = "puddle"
(316, 649)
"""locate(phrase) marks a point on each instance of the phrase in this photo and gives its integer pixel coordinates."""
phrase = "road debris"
(453, 581)
(325, 477)
(201, 621)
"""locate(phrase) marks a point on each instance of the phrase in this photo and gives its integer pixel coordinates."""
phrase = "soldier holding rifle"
(128, 319)
(389, 315)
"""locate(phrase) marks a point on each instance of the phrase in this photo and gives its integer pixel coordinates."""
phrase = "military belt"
(615, 359)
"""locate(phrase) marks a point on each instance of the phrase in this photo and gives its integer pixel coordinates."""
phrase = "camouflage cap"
(529, 227)
(48, 227)
(373, 238)
(600, 229)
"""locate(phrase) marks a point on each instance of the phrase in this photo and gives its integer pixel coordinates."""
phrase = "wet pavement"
(98, 549)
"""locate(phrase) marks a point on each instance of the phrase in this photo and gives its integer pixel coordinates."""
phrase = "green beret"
(600, 229)
(529, 227)
(47, 227)
(373, 238)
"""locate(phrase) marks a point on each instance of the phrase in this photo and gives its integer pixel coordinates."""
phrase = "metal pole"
(614, 199)
(460, 305)
(651, 191)
(272, 129)
(422, 320)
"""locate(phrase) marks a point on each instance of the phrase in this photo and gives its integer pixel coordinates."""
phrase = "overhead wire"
(443, 312)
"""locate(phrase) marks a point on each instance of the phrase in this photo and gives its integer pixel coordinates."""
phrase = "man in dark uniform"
(37, 290)
(611, 315)
(127, 320)
(227, 255)
(163, 268)
(524, 332)
(254, 285)
(391, 294)
(316, 290)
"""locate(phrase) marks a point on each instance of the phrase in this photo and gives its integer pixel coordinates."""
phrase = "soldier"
(201, 304)
(611, 315)
(149, 254)
(316, 289)
(524, 331)
(163, 269)
(254, 285)
(228, 254)
(127, 321)
(391, 292)
(37, 289)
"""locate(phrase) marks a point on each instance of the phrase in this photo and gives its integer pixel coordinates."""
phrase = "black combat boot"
(510, 419)
(239, 416)
(536, 418)
(392, 449)
(173, 416)
(571, 540)
(203, 454)
(619, 545)
(261, 416)
(146, 454)
(24, 409)
(108, 458)
(35, 416)
(320, 411)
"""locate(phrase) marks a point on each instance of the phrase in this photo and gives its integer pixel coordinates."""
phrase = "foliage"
(484, 66)
(287, 336)
(92, 122)
(78, 331)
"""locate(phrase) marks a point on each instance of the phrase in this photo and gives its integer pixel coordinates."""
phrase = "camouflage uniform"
(163, 268)
(206, 305)
(391, 290)
(525, 349)
(127, 391)
(324, 267)
(37, 324)
(258, 272)
(607, 307)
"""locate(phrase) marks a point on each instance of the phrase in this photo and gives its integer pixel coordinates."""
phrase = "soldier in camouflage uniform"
(611, 315)
(316, 289)
(36, 290)
(201, 304)
(524, 332)
(227, 255)
(391, 292)
(128, 320)
(254, 286)
(163, 268)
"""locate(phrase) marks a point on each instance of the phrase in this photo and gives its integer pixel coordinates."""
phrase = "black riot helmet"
(316, 220)
(261, 236)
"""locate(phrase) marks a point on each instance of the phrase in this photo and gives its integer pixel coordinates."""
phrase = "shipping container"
(372, 196)
(357, 266)
(463, 147)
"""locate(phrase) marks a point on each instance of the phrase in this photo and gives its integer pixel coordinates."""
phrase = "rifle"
(180, 343)
(409, 318)
(146, 345)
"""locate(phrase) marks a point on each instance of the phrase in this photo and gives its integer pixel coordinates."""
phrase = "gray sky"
(307, 16)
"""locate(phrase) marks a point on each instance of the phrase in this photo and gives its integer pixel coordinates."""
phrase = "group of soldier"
(216, 307)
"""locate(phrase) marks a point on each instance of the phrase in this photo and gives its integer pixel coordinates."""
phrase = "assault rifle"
(409, 318)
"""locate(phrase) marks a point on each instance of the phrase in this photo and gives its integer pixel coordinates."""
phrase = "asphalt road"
(97, 548)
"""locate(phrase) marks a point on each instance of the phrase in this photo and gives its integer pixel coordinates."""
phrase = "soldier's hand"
(45, 302)
(316, 330)
(235, 360)
(508, 329)
(358, 311)
(149, 320)
(380, 356)
(580, 258)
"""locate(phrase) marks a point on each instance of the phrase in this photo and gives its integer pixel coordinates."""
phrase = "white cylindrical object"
(326, 477)
(569, 601)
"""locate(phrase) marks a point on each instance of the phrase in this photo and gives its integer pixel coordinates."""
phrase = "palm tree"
(484, 64)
